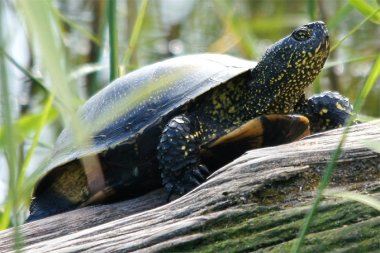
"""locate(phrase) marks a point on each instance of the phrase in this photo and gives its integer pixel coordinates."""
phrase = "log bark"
(256, 203)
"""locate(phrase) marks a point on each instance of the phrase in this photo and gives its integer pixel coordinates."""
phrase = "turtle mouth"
(326, 41)
(321, 32)
(325, 46)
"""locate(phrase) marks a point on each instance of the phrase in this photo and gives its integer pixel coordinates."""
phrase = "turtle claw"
(203, 170)
(194, 177)
(190, 179)
(198, 174)
(170, 193)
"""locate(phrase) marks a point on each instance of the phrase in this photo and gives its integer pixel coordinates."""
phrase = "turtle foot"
(181, 184)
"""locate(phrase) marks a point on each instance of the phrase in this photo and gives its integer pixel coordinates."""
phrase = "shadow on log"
(255, 203)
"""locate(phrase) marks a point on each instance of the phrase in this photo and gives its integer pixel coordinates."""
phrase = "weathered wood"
(255, 203)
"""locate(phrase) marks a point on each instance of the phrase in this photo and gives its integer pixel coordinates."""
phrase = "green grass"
(112, 33)
(136, 31)
(243, 28)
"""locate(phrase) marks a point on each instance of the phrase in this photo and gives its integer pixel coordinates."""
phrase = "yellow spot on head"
(317, 49)
(339, 106)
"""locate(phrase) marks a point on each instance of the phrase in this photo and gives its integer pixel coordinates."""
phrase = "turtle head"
(289, 66)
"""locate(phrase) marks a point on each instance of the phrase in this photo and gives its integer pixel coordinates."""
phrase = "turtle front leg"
(327, 110)
(179, 156)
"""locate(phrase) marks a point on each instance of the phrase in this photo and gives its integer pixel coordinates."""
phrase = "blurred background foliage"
(98, 40)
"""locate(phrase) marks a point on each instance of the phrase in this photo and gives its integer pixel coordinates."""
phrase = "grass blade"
(73, 24)
(112, 23)
(135, 33)
(312, 9)
(366, 9)
(10, 147)
(361, 198)
(23, 70)
(356, 28)
(339, 17)
(41, 124)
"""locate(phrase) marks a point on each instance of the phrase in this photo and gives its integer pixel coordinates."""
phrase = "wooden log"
(255, 203)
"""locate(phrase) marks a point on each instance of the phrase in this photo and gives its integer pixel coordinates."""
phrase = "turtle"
(171, 123)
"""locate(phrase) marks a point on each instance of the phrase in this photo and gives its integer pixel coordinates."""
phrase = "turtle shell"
(121, 111)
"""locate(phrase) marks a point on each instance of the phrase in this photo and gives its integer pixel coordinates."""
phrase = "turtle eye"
(301, 34)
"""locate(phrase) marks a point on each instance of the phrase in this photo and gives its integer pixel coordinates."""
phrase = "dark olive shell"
(122, 110)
